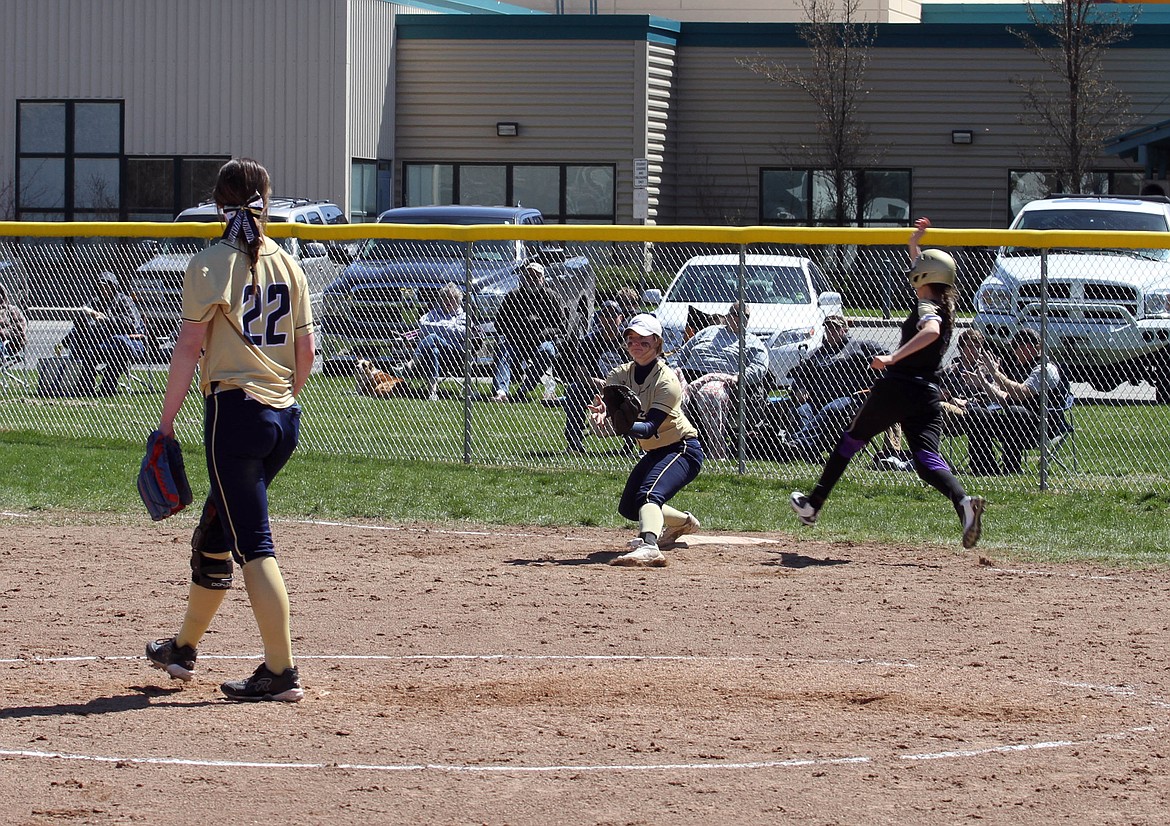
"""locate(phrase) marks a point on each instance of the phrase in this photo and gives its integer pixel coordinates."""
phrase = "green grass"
(64, 475)
(402, 460)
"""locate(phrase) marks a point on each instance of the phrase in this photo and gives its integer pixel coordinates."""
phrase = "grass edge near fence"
(85, 476)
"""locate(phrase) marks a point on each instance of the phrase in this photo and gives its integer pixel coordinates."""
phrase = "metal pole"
(1043, 369)
(739, 385)
(472, 323)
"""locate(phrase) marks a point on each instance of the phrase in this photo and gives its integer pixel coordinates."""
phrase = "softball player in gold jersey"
(247, 325)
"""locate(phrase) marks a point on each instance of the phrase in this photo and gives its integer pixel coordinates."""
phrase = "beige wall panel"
(731, 122)
(184, 74)
(575, 102)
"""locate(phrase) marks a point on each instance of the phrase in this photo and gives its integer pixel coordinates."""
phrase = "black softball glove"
(621, 406)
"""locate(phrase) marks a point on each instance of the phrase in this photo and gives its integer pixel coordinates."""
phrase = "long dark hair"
(242, 182)
(946, 296)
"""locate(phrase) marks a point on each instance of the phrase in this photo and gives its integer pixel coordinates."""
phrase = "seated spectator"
(585, 366)
(629, 300)
(530, 323)
(109, 331)
(1013, 418)
(440, 340)
(710, 359)
(13, 326)
(826, 389)
(961, 382)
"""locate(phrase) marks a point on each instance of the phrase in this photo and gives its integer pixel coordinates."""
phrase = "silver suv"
(1108, 310)
(157, 285)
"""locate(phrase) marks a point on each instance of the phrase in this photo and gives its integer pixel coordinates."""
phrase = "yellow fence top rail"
(818, 236)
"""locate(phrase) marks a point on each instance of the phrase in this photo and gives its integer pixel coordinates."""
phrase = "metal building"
(124, 109)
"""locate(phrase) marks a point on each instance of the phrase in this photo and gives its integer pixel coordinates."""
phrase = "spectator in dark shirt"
(1013, 418)
(530, 323)
(108, 331)
(825, 389)
(586, 367)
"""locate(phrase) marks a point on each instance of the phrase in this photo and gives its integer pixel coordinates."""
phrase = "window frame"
(178, 204)
(69, 156)
(1109, 177)
(560, 216)
(860, 177)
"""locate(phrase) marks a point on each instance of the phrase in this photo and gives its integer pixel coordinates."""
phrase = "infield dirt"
(508, 675)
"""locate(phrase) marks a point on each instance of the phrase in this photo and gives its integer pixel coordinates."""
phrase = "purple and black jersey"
(925, 363)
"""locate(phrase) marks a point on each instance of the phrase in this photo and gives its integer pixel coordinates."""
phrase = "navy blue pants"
(659, 475)
(247, 443)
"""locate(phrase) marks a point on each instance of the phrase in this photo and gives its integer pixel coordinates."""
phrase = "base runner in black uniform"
(908, 394)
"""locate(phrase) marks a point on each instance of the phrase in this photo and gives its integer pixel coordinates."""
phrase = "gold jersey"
(660, 390)
(253, 319)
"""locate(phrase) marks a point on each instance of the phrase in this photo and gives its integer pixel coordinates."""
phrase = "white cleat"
(644, 555)
(972, 507)
(803, 509)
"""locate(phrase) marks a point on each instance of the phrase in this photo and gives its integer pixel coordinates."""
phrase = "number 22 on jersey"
(263, 313)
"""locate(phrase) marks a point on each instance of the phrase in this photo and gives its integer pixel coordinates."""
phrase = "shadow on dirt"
(597, 558)
(788, 560)
(140, 699)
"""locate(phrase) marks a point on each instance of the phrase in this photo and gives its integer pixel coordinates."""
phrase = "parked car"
(1108, 310)
(370, 309)
(788, 298)
(157, 284)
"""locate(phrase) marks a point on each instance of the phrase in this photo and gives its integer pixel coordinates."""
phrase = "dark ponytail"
(242, 190)
(947, 296)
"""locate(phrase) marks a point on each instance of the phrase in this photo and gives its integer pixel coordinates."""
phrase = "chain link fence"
(770, 397)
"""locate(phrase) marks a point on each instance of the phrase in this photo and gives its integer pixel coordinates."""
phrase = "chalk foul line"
(571, 768)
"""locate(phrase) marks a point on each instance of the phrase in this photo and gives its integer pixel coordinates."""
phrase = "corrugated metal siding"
(575, 101)
(731, 122)
(659, 130)
(264, 78)
(371, 96)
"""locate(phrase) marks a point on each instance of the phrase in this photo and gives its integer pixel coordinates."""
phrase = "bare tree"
(1071, 106)
(838, 44)
(8, 200)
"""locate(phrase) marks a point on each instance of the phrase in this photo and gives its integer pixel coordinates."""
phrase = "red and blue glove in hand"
(162, 479)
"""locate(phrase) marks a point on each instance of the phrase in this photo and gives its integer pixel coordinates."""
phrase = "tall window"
(159, 187)
(68, 160)
(873, 197)
(370, 190)
(1026, 186)
(564, 193)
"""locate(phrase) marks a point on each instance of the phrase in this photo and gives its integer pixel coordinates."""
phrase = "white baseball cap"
(645, 324)
(534, 267)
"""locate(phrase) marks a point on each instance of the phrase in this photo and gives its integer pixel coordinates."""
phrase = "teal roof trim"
(543, 27)
(468, 7)
(1015, 15)
(893, 36)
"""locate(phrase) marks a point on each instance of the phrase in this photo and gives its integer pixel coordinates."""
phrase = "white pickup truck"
(1108, 310)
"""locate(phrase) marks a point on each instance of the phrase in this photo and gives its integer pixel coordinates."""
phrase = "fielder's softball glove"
(621, 406)
(162, 479)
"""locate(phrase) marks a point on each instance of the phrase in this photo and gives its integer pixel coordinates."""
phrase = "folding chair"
(139, 376)
(1063, 440)
(13, 369)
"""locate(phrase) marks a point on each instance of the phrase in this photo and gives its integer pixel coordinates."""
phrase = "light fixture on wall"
(962, 136)
(507, 129)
